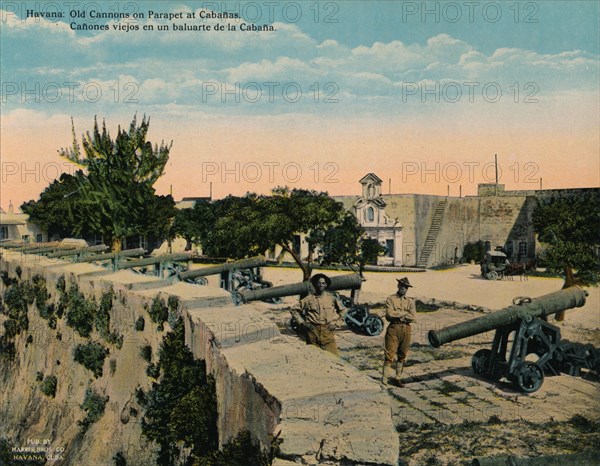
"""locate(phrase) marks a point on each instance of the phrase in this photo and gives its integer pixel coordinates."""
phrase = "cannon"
(79, 252)
(241, 274)
(536, 349)
(341, 282)
(113, 257)
(163, 266)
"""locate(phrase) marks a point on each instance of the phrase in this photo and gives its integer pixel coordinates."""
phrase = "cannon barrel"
(524, 308)
(74, 252)
(154, 260)
(28, 246)
(48, 249)
(258, 261)
(112, 255)
(341, 282)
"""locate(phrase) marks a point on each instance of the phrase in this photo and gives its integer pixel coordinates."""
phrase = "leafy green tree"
(115, 198)
(568, 226)
(182, 406)
(250, 225)
(347, 244)
(190, 223)
(58, 207)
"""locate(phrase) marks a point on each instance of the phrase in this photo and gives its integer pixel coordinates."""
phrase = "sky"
(308, 94)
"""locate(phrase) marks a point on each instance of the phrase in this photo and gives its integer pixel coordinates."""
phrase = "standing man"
(401, 311)
(319, 314)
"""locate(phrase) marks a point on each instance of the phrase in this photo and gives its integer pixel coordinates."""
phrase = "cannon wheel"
(492, 275)
(373, 325)
(529, 377)
(294, 325)
(349, 322)
(480, 362)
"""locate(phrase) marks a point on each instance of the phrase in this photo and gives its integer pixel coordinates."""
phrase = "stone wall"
(322, 410)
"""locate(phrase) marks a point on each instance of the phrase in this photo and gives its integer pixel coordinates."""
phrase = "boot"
(387, 374)
(399, 370)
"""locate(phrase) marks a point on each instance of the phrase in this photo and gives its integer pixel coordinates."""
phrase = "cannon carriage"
(525, 347)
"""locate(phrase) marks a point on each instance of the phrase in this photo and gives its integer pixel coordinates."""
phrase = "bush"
(80, 312)
(474, 252)
(94, 405)
(119, 459)
(153, 370)
(182, 407)
(91, 356)
(48, 386)
(159, 313)
(39, 291)
(140, 324)
(242, 450)
(61, 284)
(146, 353)
(102, 317)
(16, 301)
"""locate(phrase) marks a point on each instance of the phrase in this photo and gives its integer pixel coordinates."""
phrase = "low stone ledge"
(323, 410)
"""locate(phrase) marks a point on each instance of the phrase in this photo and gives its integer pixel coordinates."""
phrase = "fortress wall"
(323, 410)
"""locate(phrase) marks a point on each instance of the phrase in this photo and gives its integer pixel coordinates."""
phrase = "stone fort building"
(426, 230)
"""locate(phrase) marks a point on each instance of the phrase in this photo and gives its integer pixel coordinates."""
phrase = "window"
(3, 232)
(370, 214)
(389, 246)
(296, 244)
(26, 238)
(487, 245)
(39, 238)
(522, 249)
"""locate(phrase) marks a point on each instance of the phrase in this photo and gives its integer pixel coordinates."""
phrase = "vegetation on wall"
(48, 386)
(91, 356)
(79, 311)
(159, 312)
(181, 409)
(93, 405)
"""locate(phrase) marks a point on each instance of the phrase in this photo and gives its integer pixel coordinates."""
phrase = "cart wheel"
(373, 325)
(492, 275)
(529, 377)
(198, 281)
(480, 362)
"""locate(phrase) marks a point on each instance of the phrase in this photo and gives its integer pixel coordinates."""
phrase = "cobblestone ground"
(447, 416)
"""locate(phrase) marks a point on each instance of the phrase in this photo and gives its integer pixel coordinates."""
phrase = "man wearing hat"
(401, 311)
(319, 314)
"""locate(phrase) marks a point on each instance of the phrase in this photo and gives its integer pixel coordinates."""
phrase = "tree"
(115, 198)
(57, 207)
(568, 226)
(250, 225)
(347, 244)
(189, 223)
